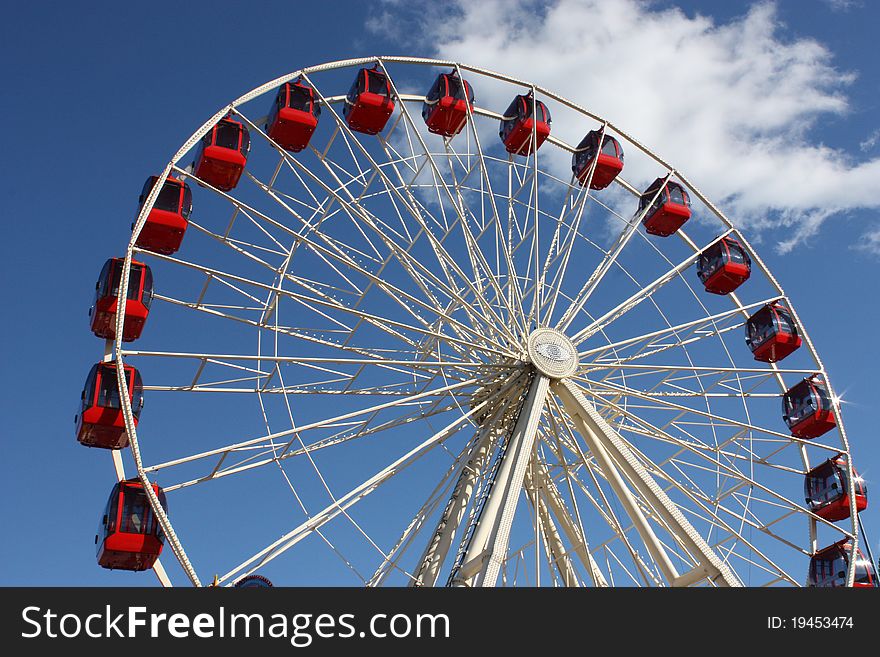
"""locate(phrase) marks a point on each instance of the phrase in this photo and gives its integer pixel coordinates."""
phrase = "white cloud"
(870, 142)
(843, 5)
(870, 241)
(732, 105)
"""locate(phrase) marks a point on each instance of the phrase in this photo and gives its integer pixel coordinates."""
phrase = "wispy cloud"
(732, 105)
(870, 142)
(843, 5)
(869, 242)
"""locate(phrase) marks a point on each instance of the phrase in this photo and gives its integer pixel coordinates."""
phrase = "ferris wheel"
(380, 330)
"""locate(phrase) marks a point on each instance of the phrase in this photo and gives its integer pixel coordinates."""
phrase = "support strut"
(488, 546)
(620, 464)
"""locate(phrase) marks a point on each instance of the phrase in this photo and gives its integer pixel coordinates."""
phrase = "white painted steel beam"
(550, 495)
(438, 547)
(559, 556)
(611, 451)
(488, 547)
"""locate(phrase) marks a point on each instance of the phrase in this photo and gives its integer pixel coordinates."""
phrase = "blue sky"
(100, 95)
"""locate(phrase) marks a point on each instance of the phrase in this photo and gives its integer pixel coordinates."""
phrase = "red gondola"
(99, 422)
(771, 333)
(137, 304)
(825, 490)
(165, 225)
(445, 108)
(222, 154)
(609, 164)
(129, 536)
(294, 116)
(668, 211)
(369, 105)
(828, 567)
(807, 409)
(518, 123)
(724, 266)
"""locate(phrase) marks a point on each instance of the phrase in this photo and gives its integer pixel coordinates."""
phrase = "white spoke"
(454, 372)
(352, 497)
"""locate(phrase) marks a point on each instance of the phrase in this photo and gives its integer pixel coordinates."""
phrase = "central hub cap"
(552, 353)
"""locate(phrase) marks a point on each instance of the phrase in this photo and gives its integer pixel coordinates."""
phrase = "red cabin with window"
(368, 105)
(524, 117)
(771, 333)
(667, 207)
(99, 422)
(165, 225)
(807, 409)
(827, 493)
(129, 537)
(724, 266)
(102, 314)
(222, 154)
(608, 159)
(828, 567)
(294, 116)
(446, 106)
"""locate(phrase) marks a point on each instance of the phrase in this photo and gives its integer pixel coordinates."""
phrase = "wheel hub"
(552, 353)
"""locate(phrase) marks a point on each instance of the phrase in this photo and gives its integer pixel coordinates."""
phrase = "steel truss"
(392, 285)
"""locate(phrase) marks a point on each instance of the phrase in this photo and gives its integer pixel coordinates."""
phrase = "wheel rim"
(436, 258)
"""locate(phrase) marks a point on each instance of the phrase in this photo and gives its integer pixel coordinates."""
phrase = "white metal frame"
(568, 447)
